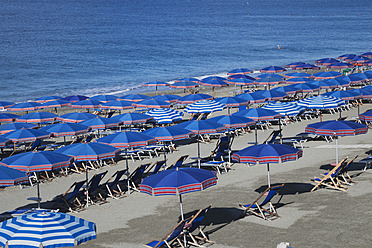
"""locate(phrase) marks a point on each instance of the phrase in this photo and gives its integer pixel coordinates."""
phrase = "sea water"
(91, 47)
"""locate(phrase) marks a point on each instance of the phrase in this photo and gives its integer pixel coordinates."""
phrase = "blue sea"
(91, 47)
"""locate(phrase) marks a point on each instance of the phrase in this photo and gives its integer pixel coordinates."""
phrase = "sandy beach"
(323, 218)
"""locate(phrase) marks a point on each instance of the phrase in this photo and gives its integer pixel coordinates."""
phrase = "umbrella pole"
(126, 163)
(255, 133)
(336, 149)
(86, 184)
(182, 218)
(198, 151)
(268, 175)
(165, 156)
(38, 190)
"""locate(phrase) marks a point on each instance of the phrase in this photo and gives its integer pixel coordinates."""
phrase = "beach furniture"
(330, 179)
(71, 200)
(172, 237)
(156, 166)
(344, 176)
(258, 209)
(95, 187)
(113, 184)
(194, 224)
(134, 179)
(178, 163)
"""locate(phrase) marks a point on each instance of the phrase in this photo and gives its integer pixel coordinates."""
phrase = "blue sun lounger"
(194, 224)
(172, 237)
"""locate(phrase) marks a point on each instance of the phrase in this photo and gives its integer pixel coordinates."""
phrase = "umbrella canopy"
(15, 126)
(294, 64)
(202, 127)
(6, 117)
(272, 69)
(325, 84)
(366, 116)
(25, 135)
(340, 65)
(168, 133)
(127, 139)
(152, 103)
(344, 95)
(37, 117)
(336, 128)
(65, 129)
(214, 81)
(117, 105)
(132, 118)
(363, 93)
(239, 76)
(306, 87)
(289, 89)
(104, 98)
(101, 123)
(297, 75)
(156, 84)
(86, 104)
(258, 114)
(11, 177)
(54, 104)
(24, 106)
(47, 99)
(252, 98)
(271, 95)
(178, 182)
(233, 121)
(266, 154)
(269, 81)
(184, 85)
(4, 141)
(188, 99)
(37, 161)
(89, 151)
(46, 229)
(303, 66)
(4, 105)
(166, 98)
(346, 56)
(343, 81)
(321, 102)
(284, 108)
(367, 54)
(134, 97)
(232, 101)
(205, 106)
(165, 115)
(328, 61)
(75, 98)
(76, 117)
(239, 71)
(298, 80)
(326, 75)
(357, 78)
(270, 75)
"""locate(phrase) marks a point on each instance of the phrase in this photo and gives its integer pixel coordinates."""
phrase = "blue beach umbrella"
(101, 123)
(269, 81)
(240, 71)
(86, 104)
(6, 117)
(367, 54)
(270, 95)
(132, 118)
(232, 102)
(252, 98)
(205, 106)
(294, 64)
(11, 177)
(4, 105)
(325, 84)
(156, 84)
(134, 97)
(117, 105)
(75, 98)
(37, 117)
(357, 78)
(321, 102)
(266, 154)
(368, 75)
(328, 61)
(54, 104)
(363, 93)
(165, 115)
(239, 76)
(188, 99)
(340, 65)
(366, 116)
(65, 129)
(46, 229)
(298, 80)
(47, 99)
(297, 75)
(151, 103)
(285, 108)
(104, 98)
(272, 69)
(4, 141)
(233, 121)
(326, 75)
(25, 135)
(214, 82)
(288, 89)
(76, 117)
(15, 126)
(178, 182)
(166, 98)
(270, 75)
(184, 85)
(336, 129)
(343, 81)
(304, 66)
(306, 87)
(241, 82)
(346, 56)
(24, 106)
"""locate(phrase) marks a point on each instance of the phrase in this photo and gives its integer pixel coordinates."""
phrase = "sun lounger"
(71, 200)
(194, 224)
(113, 185)
(178, 162)
(134, 179)
(330, 179)
(172, 237)
(258, 209)
(95, 188)
(156, 166)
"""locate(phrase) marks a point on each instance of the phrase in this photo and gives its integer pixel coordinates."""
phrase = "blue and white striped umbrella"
(165, 115)
(284, 108)
(46, 229)
(206, 106)
(321, 102)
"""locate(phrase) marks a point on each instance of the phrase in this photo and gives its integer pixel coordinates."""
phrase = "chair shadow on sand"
(289, 188)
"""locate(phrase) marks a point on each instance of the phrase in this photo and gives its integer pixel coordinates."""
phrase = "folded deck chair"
(172, 237)
(330, 179)
(178, 162)
(114, 189)
(194, 224)
(134, 179)
(95, 188)
(71, 200)
(258, 208)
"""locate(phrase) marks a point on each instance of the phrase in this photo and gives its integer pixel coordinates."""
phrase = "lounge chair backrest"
(95, 181)
(272, 191)
(346, 167)
(118, 175)
(158, 166)
(273, 136)
(198, 219)
(36, 144)
(137, 175)
(180, 161)
(176, 231)
(77, 187)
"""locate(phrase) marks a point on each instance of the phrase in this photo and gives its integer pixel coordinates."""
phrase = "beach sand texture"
(323, 218)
